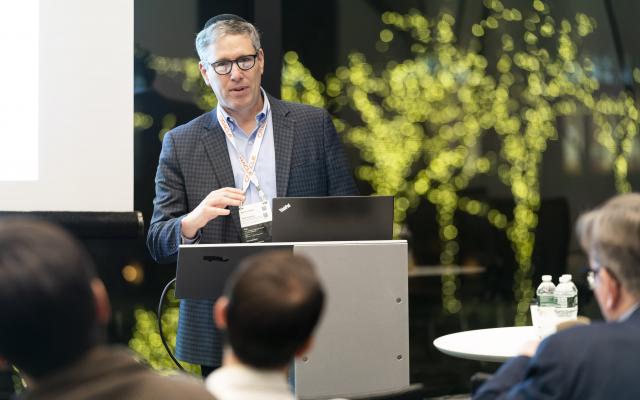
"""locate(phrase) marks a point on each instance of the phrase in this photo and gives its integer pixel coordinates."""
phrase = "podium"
(361, 345)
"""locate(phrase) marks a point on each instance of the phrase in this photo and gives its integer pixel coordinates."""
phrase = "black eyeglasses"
(245, 63)
(592, 274)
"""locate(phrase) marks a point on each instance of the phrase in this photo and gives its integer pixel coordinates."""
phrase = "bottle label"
(547, 301)
(567, 302)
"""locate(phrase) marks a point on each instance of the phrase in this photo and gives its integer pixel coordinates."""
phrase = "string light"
(420, 120)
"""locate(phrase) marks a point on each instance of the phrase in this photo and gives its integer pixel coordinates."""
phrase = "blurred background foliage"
(420, 119)
(146, 341)
(418, 123)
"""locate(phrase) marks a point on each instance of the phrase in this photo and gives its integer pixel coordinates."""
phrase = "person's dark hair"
(47, 308)
(275, 301)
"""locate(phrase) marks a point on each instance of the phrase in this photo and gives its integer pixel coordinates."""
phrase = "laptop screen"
(336, 218)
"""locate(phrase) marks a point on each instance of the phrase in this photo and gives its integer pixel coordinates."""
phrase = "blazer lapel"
(283, 133)
(215, 145)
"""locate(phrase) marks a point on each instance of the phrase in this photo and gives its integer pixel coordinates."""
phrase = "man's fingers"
(223, 202)
(231, 193)
(231, 190)
(217, 211)
(529, 348)
(234, 196)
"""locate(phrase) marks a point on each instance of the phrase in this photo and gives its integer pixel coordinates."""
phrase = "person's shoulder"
(575, 333)
(574, 339)
(192, 129)
(173, 386)
(295, 109)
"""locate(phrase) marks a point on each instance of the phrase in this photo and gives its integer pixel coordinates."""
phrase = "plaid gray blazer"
(194, 161)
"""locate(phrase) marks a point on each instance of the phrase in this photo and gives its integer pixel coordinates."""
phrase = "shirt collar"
(628, 313)
(242, 376)
(260, 117)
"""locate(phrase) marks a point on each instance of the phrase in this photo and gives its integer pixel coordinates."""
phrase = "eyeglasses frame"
(236, 62)
(592, 275)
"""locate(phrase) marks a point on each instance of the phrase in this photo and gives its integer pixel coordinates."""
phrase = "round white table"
(495, 344)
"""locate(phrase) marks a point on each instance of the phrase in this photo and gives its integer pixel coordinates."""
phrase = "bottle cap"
(565, 278)
(546, 278)
(569, 277)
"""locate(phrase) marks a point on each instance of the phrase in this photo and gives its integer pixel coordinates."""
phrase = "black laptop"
(203, 270)
(337, 218)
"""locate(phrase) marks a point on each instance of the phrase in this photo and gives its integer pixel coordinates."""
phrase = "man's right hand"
(529, 348)
(214, 205)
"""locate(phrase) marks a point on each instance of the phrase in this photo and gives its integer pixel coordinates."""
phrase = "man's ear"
(613, 290)
(205, 74)
(101, 298)
(261, 61)
(220, 312)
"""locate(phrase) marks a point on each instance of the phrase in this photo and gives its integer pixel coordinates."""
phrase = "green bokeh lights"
(418, 123)
(420, 120)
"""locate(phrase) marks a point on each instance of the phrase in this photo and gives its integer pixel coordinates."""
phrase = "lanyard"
(247, 166)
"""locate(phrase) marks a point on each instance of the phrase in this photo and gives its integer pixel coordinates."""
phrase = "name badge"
(255, 221)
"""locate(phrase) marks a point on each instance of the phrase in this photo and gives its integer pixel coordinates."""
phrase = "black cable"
(164, 342)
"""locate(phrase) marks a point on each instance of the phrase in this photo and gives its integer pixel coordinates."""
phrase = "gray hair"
(610, 235)
(212, 33)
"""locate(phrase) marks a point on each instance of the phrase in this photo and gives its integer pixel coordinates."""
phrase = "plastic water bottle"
(545, 292)
(573, 285)
(566, 299)
(546, 306)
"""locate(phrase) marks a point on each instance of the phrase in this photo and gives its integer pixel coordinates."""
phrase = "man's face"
(238, 91)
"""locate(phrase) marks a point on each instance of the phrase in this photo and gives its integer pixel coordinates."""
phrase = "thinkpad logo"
(284, 207)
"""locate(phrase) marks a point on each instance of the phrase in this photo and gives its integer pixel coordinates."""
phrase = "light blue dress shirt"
(265, 168)
(628, 313)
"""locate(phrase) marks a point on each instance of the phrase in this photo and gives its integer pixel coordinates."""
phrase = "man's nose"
(236, 72)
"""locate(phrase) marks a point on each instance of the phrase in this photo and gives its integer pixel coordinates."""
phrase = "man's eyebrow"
(237, 58)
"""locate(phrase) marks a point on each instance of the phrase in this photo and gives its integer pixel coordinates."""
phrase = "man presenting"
(598, 361)
(218, 173)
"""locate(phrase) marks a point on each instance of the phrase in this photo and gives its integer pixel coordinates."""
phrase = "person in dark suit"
(251, 148)
(597, 361)
(54, 314)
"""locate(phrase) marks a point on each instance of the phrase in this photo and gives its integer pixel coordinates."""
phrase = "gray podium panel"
(362, 343)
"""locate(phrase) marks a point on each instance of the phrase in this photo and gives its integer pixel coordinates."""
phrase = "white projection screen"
(66, 105)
